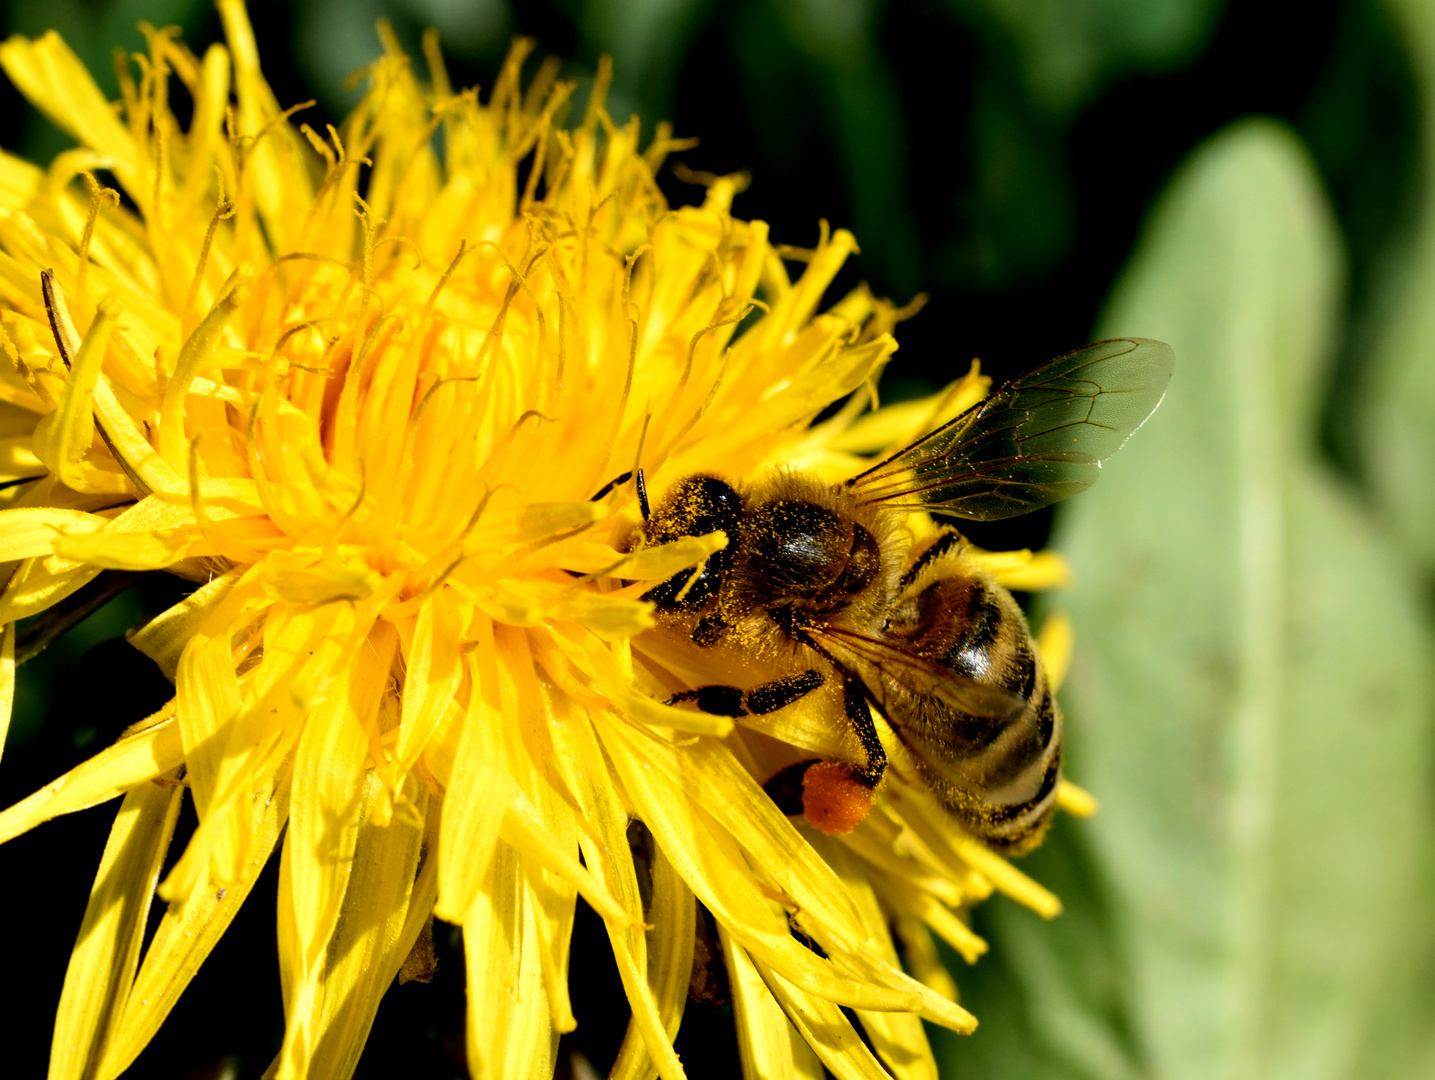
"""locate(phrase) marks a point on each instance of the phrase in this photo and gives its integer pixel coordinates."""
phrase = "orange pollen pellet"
(832, 801)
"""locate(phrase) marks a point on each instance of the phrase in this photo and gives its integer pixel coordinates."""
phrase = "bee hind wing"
(1037, 440)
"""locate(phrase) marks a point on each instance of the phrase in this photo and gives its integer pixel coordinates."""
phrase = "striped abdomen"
(997, 774)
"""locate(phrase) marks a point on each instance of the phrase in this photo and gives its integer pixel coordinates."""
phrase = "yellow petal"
(949, 839)
(129, 551)
(926, 909)
(646, 1017)
(612, 618)
(921, 956)
(649, 564)
(1026, 570)
(63, 436)
(300, 578)
(711, 777)
(554, 907)
(672, 921)
(280, 170)
(385, 906)
(824, 1028)
(895, 426)
(102, 966)
(898, 1038)
(596, 664)
(324, 821)
(27, 532)
(1076, 801)
(188, 932)
(478, 794)
(196, 353)
(1054, 645)
(150, 749)
(7, 681)
(508, 1032)
(769, 1046)
(134, 450)
(432, 674)
(537, 520)
(52, 76)
(524, 830)
(553, 895)
(302, 653)
(209, 698)
(35, 586)
(715, 869)
(163, 639)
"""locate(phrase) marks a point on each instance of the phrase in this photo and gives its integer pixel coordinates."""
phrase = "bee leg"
(836, 796)
(859, 715)
(940, 547)
(734, 701)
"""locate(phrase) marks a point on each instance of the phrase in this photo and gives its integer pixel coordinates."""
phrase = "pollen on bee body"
(833, 801)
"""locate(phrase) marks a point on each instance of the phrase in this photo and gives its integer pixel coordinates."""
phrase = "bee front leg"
(760, 700)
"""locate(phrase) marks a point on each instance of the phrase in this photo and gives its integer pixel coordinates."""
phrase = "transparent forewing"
(1039, 439)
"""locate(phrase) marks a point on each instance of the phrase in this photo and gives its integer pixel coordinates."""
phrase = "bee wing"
(859, 652)
(1036, 441)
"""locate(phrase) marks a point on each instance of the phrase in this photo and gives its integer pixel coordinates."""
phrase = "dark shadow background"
(1001, 163)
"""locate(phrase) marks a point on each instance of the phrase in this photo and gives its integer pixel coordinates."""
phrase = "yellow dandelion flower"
(372, 401)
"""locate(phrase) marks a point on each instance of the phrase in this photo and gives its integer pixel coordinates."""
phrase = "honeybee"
(815, 582)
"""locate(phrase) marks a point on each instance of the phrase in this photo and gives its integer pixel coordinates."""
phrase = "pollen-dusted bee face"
(696, 505)
(812, 582)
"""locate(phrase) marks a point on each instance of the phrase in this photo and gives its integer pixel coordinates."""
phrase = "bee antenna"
(642, 486)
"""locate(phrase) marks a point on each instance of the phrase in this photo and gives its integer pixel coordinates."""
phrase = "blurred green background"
(1254, 687)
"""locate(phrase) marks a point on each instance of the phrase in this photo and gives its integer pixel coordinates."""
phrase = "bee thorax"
(805, 556)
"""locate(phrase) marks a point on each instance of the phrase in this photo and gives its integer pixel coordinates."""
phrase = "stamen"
(98, 196)
(745, 311)
(438, 72)
(222, 210)
(367, 259)
(156, 217)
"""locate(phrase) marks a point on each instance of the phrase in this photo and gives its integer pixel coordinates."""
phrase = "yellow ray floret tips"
(362, 394)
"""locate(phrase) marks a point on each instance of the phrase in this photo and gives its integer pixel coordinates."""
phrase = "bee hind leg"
(835, 795)
(859, 715)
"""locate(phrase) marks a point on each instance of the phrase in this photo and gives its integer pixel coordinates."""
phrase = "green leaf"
(1251, 693)
(1398, 420)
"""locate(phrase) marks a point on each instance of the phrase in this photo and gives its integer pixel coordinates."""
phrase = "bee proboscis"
(815, 585)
